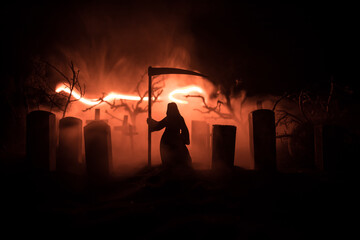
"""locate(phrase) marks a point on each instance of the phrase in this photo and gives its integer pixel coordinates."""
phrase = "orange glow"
(185, 91)
(117, 96)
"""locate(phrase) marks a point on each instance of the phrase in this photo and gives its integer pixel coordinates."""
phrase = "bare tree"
(134, 109)
(311, 108)
(40, 87)
(72, 83)
(208, 109)
(217, 109)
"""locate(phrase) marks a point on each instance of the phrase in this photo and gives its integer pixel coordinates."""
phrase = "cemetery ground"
(152, 203)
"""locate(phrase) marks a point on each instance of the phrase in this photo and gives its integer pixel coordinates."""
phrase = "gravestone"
(127, 130)
(223, 146)
(263, 139)
(301, 147)
(124, 126)
(97, 117)
(200, 142)
(41, 140)
(98, 150)
(334, 148)
(69, 158)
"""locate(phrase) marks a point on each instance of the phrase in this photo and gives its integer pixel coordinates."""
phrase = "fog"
(113, 46)
(130, 152)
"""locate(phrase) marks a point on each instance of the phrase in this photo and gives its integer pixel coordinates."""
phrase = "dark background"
(269, 47)
(261, 47)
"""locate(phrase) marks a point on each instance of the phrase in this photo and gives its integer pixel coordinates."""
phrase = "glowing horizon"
(116, 96)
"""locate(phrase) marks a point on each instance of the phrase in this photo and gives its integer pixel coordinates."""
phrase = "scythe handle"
(149, 116)
(159, 71)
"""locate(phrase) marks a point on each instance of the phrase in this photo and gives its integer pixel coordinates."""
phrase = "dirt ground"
(154, 203)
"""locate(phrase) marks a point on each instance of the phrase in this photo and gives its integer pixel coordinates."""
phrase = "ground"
(154, 203)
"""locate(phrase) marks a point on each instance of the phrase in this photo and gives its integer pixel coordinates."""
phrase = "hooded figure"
(173, 150)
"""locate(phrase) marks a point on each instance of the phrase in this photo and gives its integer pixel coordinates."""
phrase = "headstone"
(97, 117)
(97, 114)
(98, 151)
(333, 148)
(263, 139)
(41, 140)
(70, 146)
(301, 147)
(124, 126)
(223, 146)
(127, 130)
(200, 143)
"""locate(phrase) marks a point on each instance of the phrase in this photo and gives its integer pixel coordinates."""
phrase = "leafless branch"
(286, 115)
(285, 95)
(100, 101)
(72, 83)
(297, 119)
(301, 104)
(39, 88)
(216, 109)
(57, 70)
(112, 116)
(135, 109)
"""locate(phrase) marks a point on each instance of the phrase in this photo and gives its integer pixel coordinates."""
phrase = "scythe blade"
(159, 71)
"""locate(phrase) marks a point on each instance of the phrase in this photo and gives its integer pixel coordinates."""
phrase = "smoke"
(113, 45)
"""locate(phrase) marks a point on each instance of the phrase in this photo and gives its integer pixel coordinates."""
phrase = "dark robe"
(173, 150)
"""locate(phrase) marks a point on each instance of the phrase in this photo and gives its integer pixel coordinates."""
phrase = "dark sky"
(277, 46)
(270, 46)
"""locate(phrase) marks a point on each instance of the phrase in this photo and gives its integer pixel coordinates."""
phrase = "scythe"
(160, 71)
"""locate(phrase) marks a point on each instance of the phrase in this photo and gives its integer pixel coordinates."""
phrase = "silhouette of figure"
(173, 150)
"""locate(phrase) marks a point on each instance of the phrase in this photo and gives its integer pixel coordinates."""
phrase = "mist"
(292, 55)
(112, 45)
